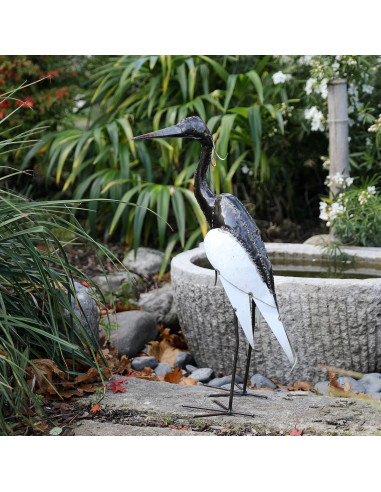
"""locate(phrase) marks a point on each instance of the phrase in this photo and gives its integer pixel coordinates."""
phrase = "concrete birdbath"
(332, 321)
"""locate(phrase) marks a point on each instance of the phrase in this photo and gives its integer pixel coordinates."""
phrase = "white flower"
(280, 77)
(363, 197)
(305, 60)
(316, 117)
(349, 181)
(338, 180)
(245, 169)
(309, 85)
(371, 190)
(367, 88)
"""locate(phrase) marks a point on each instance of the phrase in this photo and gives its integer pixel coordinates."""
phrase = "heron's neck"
(204, 195)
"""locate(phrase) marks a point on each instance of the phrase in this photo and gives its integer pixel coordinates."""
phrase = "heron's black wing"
(231, 215)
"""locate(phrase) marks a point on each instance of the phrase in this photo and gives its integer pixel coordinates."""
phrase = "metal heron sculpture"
(236, 251)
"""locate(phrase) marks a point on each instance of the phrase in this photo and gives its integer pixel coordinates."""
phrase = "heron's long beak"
(170, 132)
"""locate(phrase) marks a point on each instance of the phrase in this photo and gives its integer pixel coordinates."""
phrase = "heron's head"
(192, 127)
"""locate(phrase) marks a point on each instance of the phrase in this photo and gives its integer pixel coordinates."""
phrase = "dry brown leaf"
(174, 377)
(163, 351)
(300, 385)
(92, 373)
(189, 381)
(347, 387)
(333, 382)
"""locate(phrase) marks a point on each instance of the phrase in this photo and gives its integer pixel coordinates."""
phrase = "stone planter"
(329, 321)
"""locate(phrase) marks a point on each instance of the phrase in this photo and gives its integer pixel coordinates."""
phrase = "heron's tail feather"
(271, 315)
(241, 303)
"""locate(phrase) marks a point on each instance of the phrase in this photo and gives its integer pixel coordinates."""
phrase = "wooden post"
(338, 129)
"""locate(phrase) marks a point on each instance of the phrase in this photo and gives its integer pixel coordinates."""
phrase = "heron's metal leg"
(241, 391)
(226, 410)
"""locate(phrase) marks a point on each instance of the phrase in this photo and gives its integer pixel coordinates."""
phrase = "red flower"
(2, 81)
(28, 103)
(4, 104)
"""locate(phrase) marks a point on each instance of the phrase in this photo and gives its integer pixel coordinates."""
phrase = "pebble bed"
(369, 384)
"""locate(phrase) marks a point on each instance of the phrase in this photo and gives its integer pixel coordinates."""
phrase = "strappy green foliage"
(36, 282)
(133, 95)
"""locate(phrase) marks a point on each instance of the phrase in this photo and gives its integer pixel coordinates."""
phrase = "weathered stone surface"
(182, 359)
(261, 382)
(97, 428)
(114, 280)
(147, 262)
(140, 363)
(134, 330)
(317, 415)
(159, 302)
(204, 374)
(323, 387)
(85, 308)
(163, 368)
(336, 322)
(225, 380)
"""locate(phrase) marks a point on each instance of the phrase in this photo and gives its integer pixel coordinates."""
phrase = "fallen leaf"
(189, 381)
(91, 374)
(61, 407)
(163, 351)
(121, 380)
(95, 408)
(174, 377)
(301, 385)
(56, 431)
(117, 387)
(347, 387)
(295, 432)
(333, 382)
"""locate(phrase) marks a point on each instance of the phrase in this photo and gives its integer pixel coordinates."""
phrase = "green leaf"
(229, 89)
(162, 210)
(179, 210)
(226, 126)
(256, 80)
(254, 117)
(217, 67)
(112, 130)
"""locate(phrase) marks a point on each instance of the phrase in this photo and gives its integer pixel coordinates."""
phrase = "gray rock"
(319, 240)
(323, 388)
(134, 330)
(228, 386)
(147, 262)
(372, 382)
(225, 380)
(114, 280)
(140, 363)
(159, 302)
(282, 390)
(190, 368)
(204, 374)
(162, 369)
(261, 382)
(85, 308)
(182, 359)
(357, 386)
(375, 396)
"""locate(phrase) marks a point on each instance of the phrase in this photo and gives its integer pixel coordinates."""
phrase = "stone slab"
(276, 415)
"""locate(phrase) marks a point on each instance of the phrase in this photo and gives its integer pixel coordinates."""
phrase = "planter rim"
(183, 264)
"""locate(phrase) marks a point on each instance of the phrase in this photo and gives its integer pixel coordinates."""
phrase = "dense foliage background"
(268, 113)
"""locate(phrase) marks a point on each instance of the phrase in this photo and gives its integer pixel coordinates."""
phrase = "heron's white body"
(240, 278)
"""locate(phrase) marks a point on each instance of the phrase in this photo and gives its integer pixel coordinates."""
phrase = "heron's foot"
(240, 392)
(216, 411)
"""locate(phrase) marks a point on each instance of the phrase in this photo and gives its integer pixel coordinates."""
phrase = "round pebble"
(225, 380)
(162, 369)
(261, 382)
(203, 375)
(140, 363)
